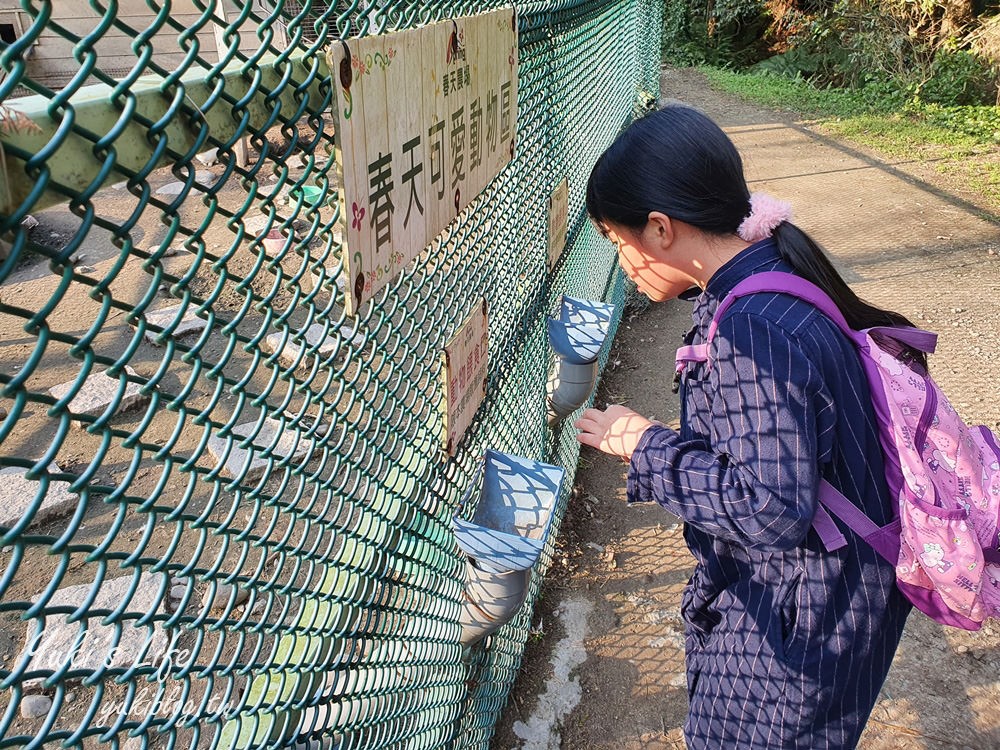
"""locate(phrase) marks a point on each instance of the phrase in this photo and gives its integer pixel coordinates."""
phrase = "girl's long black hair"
(679, 162)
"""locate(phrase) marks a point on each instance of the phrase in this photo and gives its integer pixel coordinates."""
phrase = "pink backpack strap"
(884, 539)
(828, 532)
(784, 283)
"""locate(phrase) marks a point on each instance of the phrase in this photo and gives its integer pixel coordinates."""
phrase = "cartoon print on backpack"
(939, 458)
(891, 364)
(964, 493)
(933, 557)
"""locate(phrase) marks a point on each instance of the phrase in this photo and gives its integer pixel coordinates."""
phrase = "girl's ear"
(660, 230)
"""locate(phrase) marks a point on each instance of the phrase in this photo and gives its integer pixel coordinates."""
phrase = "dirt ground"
(605, 668)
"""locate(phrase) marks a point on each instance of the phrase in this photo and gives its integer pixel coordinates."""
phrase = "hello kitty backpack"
(945, 475)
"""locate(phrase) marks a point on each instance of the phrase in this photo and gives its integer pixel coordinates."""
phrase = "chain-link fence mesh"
(208, 542)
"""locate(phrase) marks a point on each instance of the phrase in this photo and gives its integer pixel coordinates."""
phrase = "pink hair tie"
(766, 213)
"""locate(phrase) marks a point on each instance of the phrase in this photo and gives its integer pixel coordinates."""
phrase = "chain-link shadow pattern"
(226, 508)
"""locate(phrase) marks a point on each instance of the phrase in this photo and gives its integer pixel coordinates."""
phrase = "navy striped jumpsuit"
(787, 644)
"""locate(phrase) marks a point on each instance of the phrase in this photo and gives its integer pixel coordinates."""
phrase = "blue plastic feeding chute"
(504, 538)
(577, 337)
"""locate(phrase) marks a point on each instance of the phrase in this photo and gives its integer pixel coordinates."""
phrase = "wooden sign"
(426, 118)
(463, 376)
(558, 221)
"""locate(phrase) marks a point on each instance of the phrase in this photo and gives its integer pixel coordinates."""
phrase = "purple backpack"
(944, 475)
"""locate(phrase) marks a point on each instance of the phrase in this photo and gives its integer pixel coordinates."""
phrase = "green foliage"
(899, 50)
(722, 33)
(980, 122)
(796, 63)
(959, 77)
(736, 11)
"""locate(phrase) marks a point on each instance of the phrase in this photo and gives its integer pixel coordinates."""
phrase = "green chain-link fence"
(151, 593)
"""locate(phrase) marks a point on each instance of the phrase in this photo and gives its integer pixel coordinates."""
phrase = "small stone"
(171, 188)
(595, 546)
(239, 460)
(257, 223)
(98, 392)
(288, 353)
(3, 413)
(189, 323)
(963, 649)
(170, 252)
(86, 269)
(223, 593)
(178, 592)
(70, 696)
(18, 495)
(33, 706)
(29, 222)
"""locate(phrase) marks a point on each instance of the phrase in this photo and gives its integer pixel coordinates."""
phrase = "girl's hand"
(616, 430)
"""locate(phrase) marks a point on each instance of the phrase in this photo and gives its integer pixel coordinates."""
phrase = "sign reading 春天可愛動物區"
(426, 118)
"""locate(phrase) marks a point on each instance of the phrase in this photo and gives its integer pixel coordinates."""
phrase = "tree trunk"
(958, 14)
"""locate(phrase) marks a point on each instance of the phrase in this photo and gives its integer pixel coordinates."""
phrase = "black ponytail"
(679, 162)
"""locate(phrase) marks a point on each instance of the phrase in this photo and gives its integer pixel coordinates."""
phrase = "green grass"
(963, 142)
(878, 108)
(898, 134)
(786, 93)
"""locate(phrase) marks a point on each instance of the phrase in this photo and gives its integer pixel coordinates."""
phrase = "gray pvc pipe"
(570, 388)
(490, 599)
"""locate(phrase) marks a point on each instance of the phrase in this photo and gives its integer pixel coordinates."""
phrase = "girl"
(787, 644)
